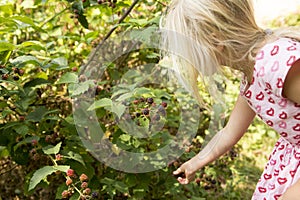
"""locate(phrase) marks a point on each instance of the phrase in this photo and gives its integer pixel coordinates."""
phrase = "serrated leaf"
(83, 87)
(118, 109)
(43, 172)
(50, 149)
(105, 102)
(75, 156)
(69, 77)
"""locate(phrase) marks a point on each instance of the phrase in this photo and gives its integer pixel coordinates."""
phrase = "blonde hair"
(200, 36)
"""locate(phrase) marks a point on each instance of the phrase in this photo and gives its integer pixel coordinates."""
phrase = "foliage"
(44, 48)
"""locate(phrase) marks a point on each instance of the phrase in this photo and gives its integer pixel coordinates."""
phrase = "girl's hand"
(187, 171)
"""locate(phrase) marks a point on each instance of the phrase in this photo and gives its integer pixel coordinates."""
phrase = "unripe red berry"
(34, 142)
(16, 70)
(87, 191)
(5, 76)
(69, 181)
(164, 104)
(65, 194)
(136, 102)
(48, 138)
(70, 172)
(84, 185)
(83, 177)
(75, 69)
(58, 157)
(21, 72)
(21, 118)
(198, 180)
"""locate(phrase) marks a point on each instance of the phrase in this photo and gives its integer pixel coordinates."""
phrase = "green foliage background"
(43, 45)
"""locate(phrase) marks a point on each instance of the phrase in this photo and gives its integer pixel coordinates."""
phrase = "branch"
(111, 31)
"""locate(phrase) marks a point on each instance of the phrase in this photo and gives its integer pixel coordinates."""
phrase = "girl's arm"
(239, 121)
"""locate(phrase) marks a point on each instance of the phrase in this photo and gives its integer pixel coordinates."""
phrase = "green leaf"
(60, 62)
(118, 109)
(36, 45)
(38, 114)
(83, 21)
(23, 60)
(36, 82)
(27, 140)
(83, 87)
(69, 77)
(105, 102)
(50, 149)
(6, 46)
(75, 156)
(43, 172)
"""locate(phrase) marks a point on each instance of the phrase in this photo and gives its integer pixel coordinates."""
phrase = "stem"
(111, 31)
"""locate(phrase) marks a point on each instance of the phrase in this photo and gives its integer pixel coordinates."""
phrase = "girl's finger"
(178, 171)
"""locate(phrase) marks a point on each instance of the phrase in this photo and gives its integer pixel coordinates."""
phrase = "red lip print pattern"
(275, 50)
(297, 137)
(297, 155)
(275, 66)
(291, 61)
(279, 83)
(248, 94)
(260, 55)
(297, 127)
(267, 176)
(283, 115)
(273, 162)
(284, 134)
(271, 187)
(277, 196)
(283, 103)
(262, 190)
(270, 112)
(271, 100)
(293, 172)
(282, 124)
(260, 96)
(292, 48)
(282, 181)
(297, 116)
(268, 86)
(270, 123)
(261, 72)
(276, 172)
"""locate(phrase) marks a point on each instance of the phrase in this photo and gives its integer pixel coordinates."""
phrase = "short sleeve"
(273, 63)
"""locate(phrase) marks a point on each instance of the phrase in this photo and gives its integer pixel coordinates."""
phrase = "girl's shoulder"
(274, 61)
(277, 48)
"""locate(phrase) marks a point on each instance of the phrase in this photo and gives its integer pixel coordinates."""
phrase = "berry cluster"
(110, 3)
(15, 73)
(79, 184)
(145, 109)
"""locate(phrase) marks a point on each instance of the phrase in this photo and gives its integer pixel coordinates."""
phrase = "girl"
(224, 33)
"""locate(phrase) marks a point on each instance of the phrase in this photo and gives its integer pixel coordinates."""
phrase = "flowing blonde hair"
(200, 36)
